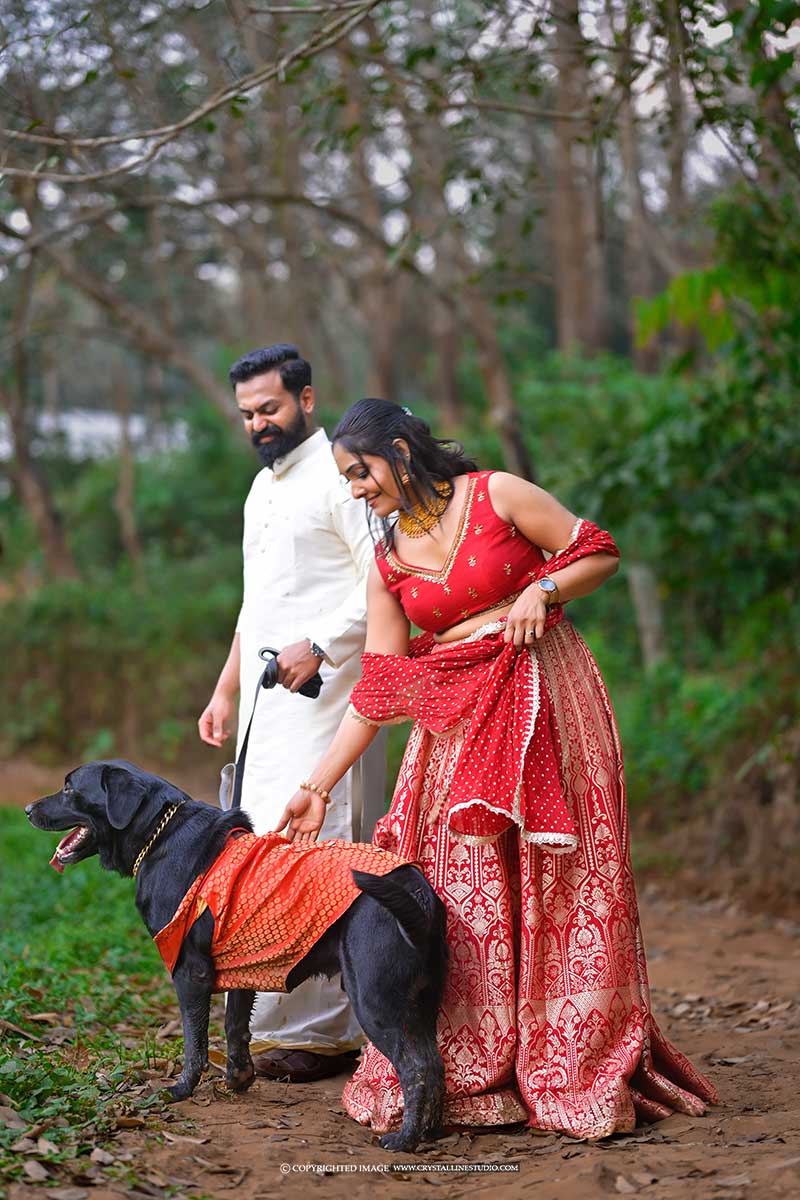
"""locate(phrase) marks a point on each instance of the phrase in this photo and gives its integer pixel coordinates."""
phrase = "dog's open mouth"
(69, 846)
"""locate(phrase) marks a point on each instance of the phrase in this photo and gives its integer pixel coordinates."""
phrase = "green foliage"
(126, 657)
(108, 654)
(697, 477)
(99, 980)
(747, 300)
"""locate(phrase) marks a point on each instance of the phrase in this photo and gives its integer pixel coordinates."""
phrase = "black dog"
(389, 946)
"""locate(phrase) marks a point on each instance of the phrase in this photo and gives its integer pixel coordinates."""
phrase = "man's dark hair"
(284, 358)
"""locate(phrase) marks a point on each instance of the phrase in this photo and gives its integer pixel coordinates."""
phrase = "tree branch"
(154, 200)
(322, 39)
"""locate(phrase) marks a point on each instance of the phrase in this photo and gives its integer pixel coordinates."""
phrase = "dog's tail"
(411, 914)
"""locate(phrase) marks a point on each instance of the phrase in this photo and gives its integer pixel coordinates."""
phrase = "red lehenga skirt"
(546, 1015)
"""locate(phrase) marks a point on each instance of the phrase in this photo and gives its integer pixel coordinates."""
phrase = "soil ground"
(724, 988)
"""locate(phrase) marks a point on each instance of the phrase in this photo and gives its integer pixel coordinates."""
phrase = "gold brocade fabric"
(546, 1016)
(271, 900)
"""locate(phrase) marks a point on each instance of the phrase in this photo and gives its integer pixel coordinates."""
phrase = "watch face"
(547, 585)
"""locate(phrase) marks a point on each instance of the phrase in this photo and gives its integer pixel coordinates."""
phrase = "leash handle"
(269, 678)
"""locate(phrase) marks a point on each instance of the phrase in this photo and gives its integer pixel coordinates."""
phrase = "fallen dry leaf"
(215, 1168)
(11, 1028)
(24, 1145)
(11, 1119)
(170, 1029)
(130, 1123)
(156, 1178)
(101, 1156)
(35, 1171)
(67, 1193)
(232, 1183)
(40, 1126)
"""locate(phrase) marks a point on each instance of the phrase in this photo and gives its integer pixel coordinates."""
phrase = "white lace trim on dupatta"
(556, 843)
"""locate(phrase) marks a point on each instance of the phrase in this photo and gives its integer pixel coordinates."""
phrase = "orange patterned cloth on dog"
(271, 900)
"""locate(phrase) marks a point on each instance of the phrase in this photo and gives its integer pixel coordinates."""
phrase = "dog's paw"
(239, 1079)
(398, 1141)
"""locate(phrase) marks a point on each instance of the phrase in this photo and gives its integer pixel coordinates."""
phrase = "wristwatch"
(550, 590)
(315, 649)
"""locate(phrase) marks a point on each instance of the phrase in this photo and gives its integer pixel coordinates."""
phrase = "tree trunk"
(649, 613)
(579, 261)
(446, 338)
(676, 147)
(636, 253)
(383, 291)
(34, 494)
(124, 499)
(503, 411)
(29, 482)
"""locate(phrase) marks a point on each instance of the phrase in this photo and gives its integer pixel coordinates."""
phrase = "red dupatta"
(507, 771)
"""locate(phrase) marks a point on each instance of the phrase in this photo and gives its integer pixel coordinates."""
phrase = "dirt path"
(724, 988)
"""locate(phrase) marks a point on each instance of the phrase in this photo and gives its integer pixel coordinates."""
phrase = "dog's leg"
(410, 1066)
(193, 987)
(404, 1032)
(433, 1073)
(240, 1073)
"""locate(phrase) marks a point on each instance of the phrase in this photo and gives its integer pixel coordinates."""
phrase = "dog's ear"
(125, 794)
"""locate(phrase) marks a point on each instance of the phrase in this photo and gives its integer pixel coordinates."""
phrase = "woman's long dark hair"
(371, 426)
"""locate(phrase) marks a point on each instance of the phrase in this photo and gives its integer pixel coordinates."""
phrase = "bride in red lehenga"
(510, 796)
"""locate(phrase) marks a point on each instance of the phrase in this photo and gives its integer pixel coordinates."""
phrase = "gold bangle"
(313, 787)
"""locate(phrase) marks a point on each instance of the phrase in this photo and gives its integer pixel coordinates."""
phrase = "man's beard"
(282, 441)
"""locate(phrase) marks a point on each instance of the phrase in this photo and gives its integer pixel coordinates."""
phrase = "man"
(307, 551)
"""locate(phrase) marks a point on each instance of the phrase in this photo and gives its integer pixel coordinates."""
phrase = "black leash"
(269, 679)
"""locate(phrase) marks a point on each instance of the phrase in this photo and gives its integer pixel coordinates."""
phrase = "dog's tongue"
(67, 843)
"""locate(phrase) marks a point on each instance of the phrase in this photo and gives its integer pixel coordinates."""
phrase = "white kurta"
(307, 550)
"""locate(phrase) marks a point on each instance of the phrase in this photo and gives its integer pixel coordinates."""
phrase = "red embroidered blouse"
(489, 564)
(507, 771)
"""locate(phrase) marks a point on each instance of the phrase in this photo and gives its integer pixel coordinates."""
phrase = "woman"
(510, 795)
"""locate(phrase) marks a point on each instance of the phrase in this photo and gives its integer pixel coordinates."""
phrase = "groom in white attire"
(307, 550)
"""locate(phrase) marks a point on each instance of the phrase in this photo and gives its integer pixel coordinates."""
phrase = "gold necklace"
(162, 825)
(420, 518)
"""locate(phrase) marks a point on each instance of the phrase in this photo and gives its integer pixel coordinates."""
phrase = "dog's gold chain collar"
(159, 829)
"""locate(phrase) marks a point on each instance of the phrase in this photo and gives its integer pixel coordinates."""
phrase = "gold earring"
(405, 478)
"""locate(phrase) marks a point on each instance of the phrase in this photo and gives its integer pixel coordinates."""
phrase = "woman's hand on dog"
(304, 815)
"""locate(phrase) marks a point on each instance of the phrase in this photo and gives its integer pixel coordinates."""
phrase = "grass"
(82, 995)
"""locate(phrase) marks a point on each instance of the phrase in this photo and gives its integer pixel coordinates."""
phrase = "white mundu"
(307, 550)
